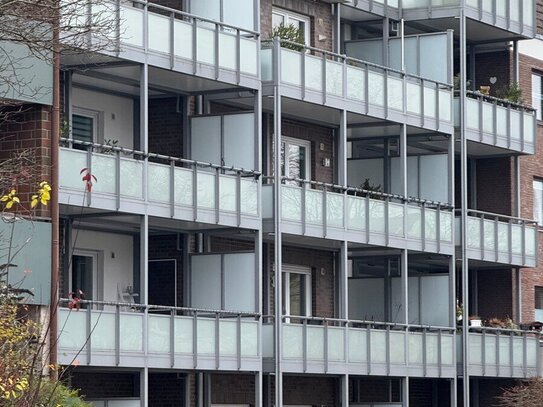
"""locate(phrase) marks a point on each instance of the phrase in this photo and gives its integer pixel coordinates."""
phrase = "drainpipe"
(55, 128)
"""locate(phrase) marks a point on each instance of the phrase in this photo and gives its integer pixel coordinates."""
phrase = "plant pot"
(476, 323)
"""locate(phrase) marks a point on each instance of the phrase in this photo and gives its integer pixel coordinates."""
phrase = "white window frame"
(97, 122)
(97, 276)
(287, 270)
(289, 15)
(300, 143)
(537, 187)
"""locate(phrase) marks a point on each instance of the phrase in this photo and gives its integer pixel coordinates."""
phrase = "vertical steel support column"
(405, 286)
(337, 29)
(144, 275)
(472, 66)
(464, 203)
(405, 391)
(277, 226)
(386, 25)
(342, 149)
(344, 281)
(517, 186)
(518, 293)
(403, 159)
(144, 387)
(144, 122)
(344, 391)
(516, 70)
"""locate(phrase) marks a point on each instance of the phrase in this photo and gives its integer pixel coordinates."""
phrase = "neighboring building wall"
(320, 14)
(165, 127)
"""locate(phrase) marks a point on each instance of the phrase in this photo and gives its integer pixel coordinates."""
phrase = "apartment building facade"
(342, 271)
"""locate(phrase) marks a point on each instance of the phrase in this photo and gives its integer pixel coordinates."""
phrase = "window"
(295, 158)
(84, 275)
(296, 290)
(538, 304)
(538, 201)
(86, 126)
(537, 94)
(285, 17)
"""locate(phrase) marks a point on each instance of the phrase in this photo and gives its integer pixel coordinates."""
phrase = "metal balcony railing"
(499, 122)
(336, 80)
(169, 187)
(126, 334)
(339, 212)
(329, 345)
(501, 239)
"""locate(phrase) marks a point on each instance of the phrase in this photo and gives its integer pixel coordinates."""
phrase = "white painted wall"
(531, 48)
(117, 114)
(116, 262)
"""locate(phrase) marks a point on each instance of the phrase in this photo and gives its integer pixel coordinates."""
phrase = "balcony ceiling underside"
(482, 264)
(91, 218)
(125, 75)
(356, 14)
(481, 150)
(476, 31)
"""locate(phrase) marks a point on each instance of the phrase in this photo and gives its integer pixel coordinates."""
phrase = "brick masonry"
(165, 127)
(165, 247)
(96, 385)
(232, 389)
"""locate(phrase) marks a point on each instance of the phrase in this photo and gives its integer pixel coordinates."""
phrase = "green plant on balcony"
(289, 33)
(511, 92)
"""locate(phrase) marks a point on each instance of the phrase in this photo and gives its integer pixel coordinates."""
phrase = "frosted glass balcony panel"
(206, 190)
(430, 101)
(514, 10)
(248, 56)
(159, 333)
(205, 45)
(131, 26)
(292, 341)
(432, 346)
(159, 33)
(315, 342)
(357, 212)
(531, 352)
(377, 216)
(376, 88)
(414, 101)
(475, 349)
(249, 339)
(447, 345)
(249, 197)
(123, 403)
(266, 64)
(313, 72)
(445, 105)
(490, 349)
(355, 81)
(395, 93)
(334, 209)
(159, 182)
(291, 203)
(415, 348)
(395, 219)
(227, 193)
(357, 345)
(446, 221)
(378, 346)
(472, 3)
(103, 326)
(334, 78)
(336, 344)
(228, 336)
(528, 12)
(414, 225)
(74, 329)
(104, 168)
(131, 178)
(501, 122)
(205, 336)
(528, 127)
(472, 113)
(505, 343)
(183, 335)
(182, 39)
(474, 233)
(488, 117)
(518, 351)
(183, 179)
(430, 223)
(516, 239)
(503, 237)
(291, 67)
(487, 5)
(397, 347)
(131, 332)
(515, 117)
(313, 205)
(71, 163)
(530, 234)
(490, 234)
(501, 9)
(227, 51)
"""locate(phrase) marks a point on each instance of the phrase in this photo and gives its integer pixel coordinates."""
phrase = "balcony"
(516, 16)
(182, 42)
(133, 335)
(334, 346)
(171, 188)
(498, 123)
(383, 220)
(500, 239)
(503, 353)
(341, 82)
(385, 8)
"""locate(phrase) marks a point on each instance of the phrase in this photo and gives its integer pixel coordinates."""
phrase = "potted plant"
(475, 321)
(290, 33)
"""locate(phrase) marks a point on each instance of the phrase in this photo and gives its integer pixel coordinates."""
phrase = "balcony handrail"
(493, 99)
(356, 60)
(344, 188)
(347, 322)
(148, 4)
(494, 216)
(496, 330)
(164, 308)
(194, 163)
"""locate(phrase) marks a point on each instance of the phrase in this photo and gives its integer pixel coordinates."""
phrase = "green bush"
(290, 33)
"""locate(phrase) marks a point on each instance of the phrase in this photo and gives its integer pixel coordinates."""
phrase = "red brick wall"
(165, 247)
(232, 389)
(316, 391)
(423, 391)
(165, 127)
(493, 64)
(166, 390)
(495, 293)
(374, 390)
(96, 385)
(320, 14)
(495, 185)
(314, 134)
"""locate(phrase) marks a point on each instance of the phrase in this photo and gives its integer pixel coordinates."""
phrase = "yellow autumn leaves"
(42, 196)
(12, 389)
